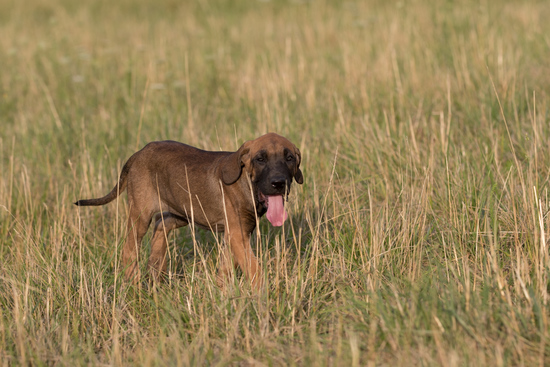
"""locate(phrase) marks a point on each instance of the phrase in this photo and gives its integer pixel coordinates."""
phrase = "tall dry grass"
(418, 238)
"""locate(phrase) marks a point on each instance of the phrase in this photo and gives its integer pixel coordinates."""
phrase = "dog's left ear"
(232, 165)
(298, 176)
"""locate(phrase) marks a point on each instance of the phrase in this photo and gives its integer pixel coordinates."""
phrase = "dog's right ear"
(232, 165)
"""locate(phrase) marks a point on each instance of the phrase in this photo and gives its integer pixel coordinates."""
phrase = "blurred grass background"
(418, 238)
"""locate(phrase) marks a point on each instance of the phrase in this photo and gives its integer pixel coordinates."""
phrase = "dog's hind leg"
(138, 223)
(164, 223)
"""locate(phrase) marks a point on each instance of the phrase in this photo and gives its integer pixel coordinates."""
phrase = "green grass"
(420, 235)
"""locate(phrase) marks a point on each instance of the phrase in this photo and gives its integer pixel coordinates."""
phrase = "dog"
(174, 184)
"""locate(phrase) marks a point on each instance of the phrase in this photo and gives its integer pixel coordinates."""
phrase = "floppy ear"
(232, 165)
(298, 176)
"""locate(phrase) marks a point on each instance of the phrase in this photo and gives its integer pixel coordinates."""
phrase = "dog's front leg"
(237, 251)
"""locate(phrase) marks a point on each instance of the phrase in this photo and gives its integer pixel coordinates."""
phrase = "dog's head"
(271, 162)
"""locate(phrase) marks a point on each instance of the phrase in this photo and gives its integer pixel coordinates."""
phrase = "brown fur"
(176, 184)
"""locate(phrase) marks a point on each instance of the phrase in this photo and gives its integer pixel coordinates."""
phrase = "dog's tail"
(115, 192)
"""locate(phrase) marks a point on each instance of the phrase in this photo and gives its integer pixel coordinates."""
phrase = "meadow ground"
(419, 237)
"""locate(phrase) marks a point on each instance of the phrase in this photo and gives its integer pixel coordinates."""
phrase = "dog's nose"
(278, 182)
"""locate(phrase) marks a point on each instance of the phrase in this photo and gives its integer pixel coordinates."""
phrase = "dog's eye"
(290, 158)
(260, 160)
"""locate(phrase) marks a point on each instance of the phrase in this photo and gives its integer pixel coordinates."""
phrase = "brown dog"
(220, 191)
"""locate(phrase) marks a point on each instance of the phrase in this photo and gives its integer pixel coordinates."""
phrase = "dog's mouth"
(276, 213)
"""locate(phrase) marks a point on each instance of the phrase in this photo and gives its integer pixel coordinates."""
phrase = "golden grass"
(418, 238)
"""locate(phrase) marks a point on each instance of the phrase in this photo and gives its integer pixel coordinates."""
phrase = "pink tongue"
(276, 213)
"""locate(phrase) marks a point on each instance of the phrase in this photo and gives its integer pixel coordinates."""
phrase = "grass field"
(420, 235)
